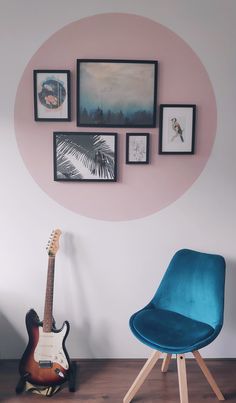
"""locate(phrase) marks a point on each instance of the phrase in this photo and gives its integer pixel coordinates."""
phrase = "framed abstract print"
(137, 148)
(52, 95)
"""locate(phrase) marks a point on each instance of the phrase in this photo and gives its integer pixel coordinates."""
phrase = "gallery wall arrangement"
(110, 93)
(107, 115)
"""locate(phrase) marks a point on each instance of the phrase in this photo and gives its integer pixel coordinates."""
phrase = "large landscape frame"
(116, 93)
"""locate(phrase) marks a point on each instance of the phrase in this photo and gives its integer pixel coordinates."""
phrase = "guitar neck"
(48, 305)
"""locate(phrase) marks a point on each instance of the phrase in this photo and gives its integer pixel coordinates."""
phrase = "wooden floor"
(108, 381)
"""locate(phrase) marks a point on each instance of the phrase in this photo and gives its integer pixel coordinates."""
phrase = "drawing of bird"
(177, 128)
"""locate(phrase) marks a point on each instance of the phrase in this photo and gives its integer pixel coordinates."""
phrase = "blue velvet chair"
(185, 314)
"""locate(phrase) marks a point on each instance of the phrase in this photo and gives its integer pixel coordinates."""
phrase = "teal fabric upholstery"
(186, 313)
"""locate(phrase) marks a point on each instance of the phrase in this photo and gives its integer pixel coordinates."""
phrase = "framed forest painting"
(85, 156)
(116, 93)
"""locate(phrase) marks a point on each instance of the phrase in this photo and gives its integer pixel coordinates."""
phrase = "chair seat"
(169, 331)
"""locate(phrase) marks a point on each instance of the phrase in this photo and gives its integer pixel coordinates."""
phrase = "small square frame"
(137, 148)
(52, 95)
(177, 129)
(85, 156)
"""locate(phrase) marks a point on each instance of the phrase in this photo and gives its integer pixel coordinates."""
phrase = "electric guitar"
(45, 360)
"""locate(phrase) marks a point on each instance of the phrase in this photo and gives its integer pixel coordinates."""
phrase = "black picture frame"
(116, 93)
(137, 148)
(52, 97)
(177, 129)
(85, 156)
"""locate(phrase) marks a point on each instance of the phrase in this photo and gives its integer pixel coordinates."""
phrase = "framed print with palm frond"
(85, 156)
(116, 93)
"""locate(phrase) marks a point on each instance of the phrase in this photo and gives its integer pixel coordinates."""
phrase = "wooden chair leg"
(166, 363)
(183, 387)
(208, 375)
(142, 376)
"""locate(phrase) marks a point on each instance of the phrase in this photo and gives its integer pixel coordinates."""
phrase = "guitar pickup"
(45, 364)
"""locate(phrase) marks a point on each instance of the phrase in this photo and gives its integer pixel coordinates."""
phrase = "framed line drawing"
(137, 148)
(116, 93)
(90, 157)
(52, 95)
(177, 129)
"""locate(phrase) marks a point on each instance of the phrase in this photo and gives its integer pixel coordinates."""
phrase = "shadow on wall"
(230, 295)
(90, 342)
(229, 327)
(10, 339)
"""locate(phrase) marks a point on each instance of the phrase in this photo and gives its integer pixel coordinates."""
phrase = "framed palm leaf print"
(80, 156)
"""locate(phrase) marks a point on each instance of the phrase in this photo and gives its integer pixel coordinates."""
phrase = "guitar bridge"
(45, 364)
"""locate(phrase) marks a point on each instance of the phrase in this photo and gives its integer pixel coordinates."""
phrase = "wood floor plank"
(100, 381)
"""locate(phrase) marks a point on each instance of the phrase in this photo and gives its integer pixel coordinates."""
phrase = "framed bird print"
(177, 129)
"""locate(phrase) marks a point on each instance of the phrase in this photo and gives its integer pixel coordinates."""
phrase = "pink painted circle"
(141, 190)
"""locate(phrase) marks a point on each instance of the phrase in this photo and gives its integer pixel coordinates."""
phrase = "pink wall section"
(140, 190)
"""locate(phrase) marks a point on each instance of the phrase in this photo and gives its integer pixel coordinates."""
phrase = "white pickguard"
(49, 347)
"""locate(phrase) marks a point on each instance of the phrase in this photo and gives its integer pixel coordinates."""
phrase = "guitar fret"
(48, 307)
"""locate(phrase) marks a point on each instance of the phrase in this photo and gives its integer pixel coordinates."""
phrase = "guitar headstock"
(53, 243)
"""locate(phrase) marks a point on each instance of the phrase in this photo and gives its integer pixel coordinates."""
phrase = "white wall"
(107, 270)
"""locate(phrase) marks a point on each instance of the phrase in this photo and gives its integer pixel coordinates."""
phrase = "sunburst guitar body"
(45, 360)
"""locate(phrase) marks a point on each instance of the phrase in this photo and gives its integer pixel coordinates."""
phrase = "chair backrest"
(193, 286)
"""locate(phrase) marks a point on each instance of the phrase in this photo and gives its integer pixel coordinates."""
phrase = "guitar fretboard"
(48, 306)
